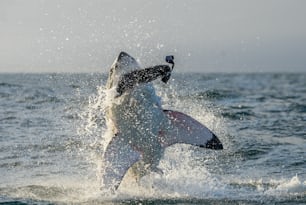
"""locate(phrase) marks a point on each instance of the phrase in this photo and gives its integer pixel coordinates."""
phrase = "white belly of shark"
(141, 128)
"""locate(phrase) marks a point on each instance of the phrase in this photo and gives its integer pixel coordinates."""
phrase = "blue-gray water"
(52, 126)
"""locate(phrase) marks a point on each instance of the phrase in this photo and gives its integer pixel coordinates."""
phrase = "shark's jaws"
(141, 128)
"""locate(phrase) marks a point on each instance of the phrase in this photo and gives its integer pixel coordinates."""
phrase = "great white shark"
(141, 128)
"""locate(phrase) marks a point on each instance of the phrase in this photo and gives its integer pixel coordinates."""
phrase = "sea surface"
(52, 136)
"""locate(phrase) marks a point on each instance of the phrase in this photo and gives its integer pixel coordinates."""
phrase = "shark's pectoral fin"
(185, 129)
(118, 158)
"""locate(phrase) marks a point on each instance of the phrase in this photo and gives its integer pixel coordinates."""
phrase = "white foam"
(288, 186)
(180, 179)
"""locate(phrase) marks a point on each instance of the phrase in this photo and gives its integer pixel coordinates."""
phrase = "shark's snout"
(122, 55)
(122, 65)
(125, 59)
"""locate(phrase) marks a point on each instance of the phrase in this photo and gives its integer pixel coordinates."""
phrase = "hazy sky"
(204, 35)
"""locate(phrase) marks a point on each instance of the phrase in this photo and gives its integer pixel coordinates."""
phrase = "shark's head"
(123, 64)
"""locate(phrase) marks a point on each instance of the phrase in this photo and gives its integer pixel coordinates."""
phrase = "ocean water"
(53, 133)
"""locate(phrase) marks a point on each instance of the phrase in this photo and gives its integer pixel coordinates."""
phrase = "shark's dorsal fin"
(118, 158)
(185, 129)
